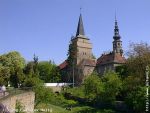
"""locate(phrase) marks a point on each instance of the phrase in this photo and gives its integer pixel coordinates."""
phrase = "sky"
(45, 27)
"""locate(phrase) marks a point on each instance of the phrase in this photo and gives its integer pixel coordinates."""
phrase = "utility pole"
(73, 74)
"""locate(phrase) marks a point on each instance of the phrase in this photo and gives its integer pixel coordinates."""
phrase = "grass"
(49, 108)
(77, 109)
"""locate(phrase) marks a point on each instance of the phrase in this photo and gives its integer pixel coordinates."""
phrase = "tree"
(93, 86)
(4, 75)
(112, 87)
(12, 59)
(139, 58)
(17, 78)
(48, 72)
(136, 99)
(71, 53)
(134, 84)
(11, 64)
(31, 68)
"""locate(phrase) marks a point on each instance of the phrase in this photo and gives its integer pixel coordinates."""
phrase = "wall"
(26, 99)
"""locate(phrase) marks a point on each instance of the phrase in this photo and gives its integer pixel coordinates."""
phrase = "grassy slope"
(55, 109)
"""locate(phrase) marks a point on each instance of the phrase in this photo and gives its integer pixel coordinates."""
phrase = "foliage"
(61, 101)
(48, 72)
(139, 58)
(10, 65)
(93, 86)
(17, 78)
(32, 67)
(42, 95)
(32, 81)
(4, 75)
(12, 59)
(71, 53)
(130, 83)
(76, 91)
(112, 87)
(19, 107)
(122, 71)
(136, 99)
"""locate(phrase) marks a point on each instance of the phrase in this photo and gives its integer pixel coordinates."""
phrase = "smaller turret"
(117, 43)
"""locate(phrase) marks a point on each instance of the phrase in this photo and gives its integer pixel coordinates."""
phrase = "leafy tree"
(136, 99)
(31, 68)
(9, 65)
(12, 59)
(17, 78)
(48, 72)
(112, 87)
(139, 58)
(44, 70)
(122, 71)
(93, 86)
(71, 53)
(32, 81)
(28, 70)
(4, 75)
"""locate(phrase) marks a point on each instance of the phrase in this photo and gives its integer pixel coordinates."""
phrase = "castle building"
(113, 59)
(82, 57)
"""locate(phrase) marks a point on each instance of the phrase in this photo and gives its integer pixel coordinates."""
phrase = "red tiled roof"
(63, 65)
(111, 57)
(118, 58)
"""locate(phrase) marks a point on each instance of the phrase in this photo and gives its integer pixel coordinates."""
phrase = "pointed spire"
(80, 28)
(116, 30)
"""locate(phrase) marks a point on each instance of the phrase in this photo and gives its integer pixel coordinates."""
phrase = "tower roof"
(116, 31)
(80, 28)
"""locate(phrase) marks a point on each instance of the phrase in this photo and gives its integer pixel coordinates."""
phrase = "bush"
(19, 107)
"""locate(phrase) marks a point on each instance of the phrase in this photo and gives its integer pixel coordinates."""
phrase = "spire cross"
(115, 17)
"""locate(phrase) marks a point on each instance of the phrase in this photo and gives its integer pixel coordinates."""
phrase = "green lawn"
(77, 109)
(51, 108)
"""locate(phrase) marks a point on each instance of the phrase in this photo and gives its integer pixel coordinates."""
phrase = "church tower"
(80, 62)
(81, 44)
(113, 59)
(117, 43)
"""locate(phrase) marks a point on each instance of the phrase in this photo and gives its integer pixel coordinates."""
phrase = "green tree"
(32, 81)
(12, 59)
(71, 53)
(138, 59)
(112, 87)
(31, 68)
(17, 78)
(48, 72)
(10, 64)
(136, 99)
(4, 75)
(93, 86)
(45, 70)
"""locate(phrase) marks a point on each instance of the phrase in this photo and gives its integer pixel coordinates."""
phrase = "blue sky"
(44, 27)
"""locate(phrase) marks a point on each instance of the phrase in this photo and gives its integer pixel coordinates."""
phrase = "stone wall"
(26, 99)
